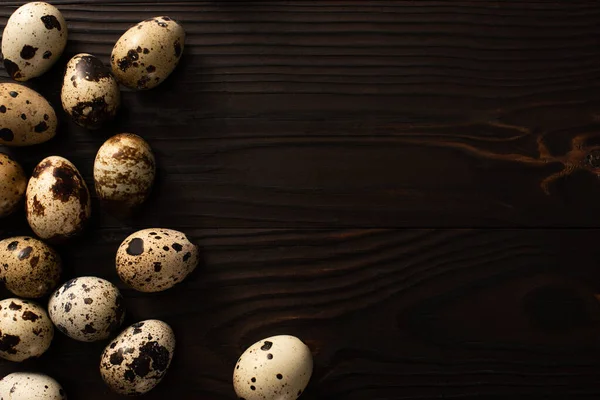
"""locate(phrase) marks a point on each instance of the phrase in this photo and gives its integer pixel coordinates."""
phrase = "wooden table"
(368, 176)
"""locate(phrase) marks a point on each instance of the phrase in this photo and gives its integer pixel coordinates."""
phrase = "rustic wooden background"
(365, 175)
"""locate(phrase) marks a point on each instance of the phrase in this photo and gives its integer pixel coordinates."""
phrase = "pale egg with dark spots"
(90, 94)
(153, 260)
(275, 368)
(26, 118)
(29, 267)
(138, 359)
(31, 386)
(87, 309)
(57, 201)
(148, 52)
(25, 330)
(13, 183)
(124, 172)
(33, 40)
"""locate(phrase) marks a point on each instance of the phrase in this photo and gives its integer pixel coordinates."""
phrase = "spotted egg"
(25, 330)
(57, 200)
(26, 118)
(137, 360)
(29, 267)
(87, 309)
(33, 40)
(90, 94)
(124, 171)
(153, 260)
(31, 386)
(276, 368)
(148, 52)
(13, 182)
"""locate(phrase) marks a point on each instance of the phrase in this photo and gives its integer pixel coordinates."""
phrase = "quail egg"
(25, 330)
(34, 38)
(276, 368)
(148, 52)
(13, 182)
(137, 360)
(153, 260)
(30, 386)
(28, 267)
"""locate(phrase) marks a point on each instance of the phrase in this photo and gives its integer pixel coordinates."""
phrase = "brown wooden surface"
(303, 145)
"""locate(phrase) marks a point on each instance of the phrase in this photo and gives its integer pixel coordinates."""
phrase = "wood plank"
(350, 114)
(388, 313)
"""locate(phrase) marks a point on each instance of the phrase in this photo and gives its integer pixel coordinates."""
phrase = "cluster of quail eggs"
(58, 207)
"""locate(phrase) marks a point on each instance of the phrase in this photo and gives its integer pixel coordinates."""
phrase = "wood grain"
(357, 114)
(387, 313)
(308, 148)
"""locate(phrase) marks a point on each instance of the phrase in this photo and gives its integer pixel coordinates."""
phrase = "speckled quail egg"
(147, 53)
(30, 386)
(26, 118)
(136, 361)
(34, 38)
(87, 309)
(153, 260)
(57, 200)
(13, 182)
(124, 171)
(276, 368)
(25, 330)
(29, 267)
(90, 94)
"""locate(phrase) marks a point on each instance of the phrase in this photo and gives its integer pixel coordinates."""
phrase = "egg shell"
(31, 386)
(29, 267)
(148, 52)
(137, 360)
(90, 94)
(25, 330)
(275, 368)
(13, 183)
(153, 260)
(26, 118)
(87, 309)
(57, 201)
(33, 40)
(124, 171)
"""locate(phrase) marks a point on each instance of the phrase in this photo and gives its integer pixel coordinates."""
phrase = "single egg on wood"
(89, 94)
(13, 183)
(153, 260)
(138, 359)
(57, 200)
(33, 40)
(25, 330)
(148, 52)
(124, 171)
(275, 368)
(26, 118)
(29, 267)
(87, 309)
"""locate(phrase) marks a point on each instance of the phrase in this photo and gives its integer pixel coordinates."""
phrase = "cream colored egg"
(137, 360)
(34, 38)
(13, 182)
(87, 309)
(148, 52)
(90, 94)
(275, 368)
(124, 171)
(25, 330)
(57, 200)
(29, 267)
(31, 386)
(153, 260)
(26, 118)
